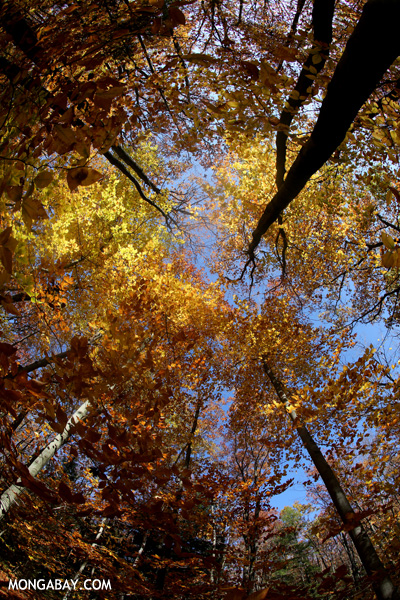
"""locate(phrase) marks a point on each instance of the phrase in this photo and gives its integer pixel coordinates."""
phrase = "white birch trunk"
(9, 497)
(83, 565)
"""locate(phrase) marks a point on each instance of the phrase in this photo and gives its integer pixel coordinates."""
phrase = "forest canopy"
(199, 213)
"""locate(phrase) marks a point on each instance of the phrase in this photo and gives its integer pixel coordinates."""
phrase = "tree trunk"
(383, 586)
(371, 49)
(9, 497)
(83, 565)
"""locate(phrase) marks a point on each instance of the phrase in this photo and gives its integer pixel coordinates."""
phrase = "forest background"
(199, 207)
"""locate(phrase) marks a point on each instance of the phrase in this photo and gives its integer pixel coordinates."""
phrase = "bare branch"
(116, 163)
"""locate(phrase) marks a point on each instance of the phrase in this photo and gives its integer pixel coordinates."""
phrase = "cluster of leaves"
(142, 437)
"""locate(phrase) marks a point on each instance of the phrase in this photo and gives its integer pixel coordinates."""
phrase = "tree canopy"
(199, 211)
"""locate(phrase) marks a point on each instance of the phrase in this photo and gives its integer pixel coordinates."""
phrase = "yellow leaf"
(387, 241)
(317, 58)
(395, 135)
(396, 259)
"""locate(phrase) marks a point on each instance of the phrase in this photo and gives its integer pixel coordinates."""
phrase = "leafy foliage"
(193, 225)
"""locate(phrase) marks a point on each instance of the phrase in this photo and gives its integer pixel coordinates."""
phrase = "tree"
(119, 350)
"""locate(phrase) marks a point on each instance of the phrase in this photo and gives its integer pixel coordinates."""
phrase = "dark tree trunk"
(383, 586)
(371, 49)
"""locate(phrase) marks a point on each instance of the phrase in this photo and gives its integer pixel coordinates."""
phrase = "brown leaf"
(6, 258)
(4, 277)
(260, 595)
(65, 134)
(14, 192)
(82, 176)
(9, 306)
(32, 209)
(61, 417)
(177, 16)
(7, 349)
(78, 498)
(251, 69)
(235, 594)
(65, 492)
(43, 179)
(68, 116)
(93, 436)
(5, 235)
(200, 59)
(395, 192)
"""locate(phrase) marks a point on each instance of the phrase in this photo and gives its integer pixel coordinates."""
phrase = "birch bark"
(9, 497)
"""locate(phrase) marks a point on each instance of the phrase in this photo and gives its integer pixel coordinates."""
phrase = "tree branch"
(137, 168)
(116, 163)
(370, 50)
(322, 17)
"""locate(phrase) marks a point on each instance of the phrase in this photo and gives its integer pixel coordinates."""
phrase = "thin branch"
(123, 155)
(116, 163)
(382, 220)
(293, 29)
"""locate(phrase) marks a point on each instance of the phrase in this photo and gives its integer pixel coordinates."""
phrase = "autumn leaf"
(14, 192)
(388, 241)
(235, 594)
(104, 98)
(7, 349)
(8, 305)
(82, 176)
(200, 59)
(43, 179)
(32, 210)
(5, 235)
(388, 260)
(176, 15)
(260, 595)
(65, 492)
(251, 69)
(65, 134)
(8, 245)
